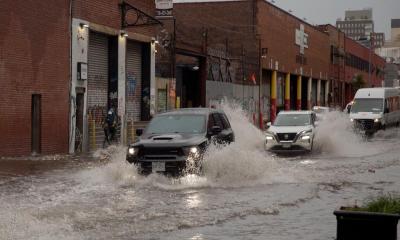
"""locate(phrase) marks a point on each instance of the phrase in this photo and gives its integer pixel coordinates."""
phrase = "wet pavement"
(245, 193)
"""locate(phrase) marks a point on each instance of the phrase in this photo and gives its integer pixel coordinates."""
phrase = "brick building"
(64, 63)
(348, 59)
(297, 59)
(237, 39)
(213, 52)
(34, 76)
(114, 40)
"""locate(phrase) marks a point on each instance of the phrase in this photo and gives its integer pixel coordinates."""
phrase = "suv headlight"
(133, 151)
(305, 135)
(377, 120)
(192, 151)
(269, 136)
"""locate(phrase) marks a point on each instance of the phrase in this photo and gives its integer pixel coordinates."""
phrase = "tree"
(358, 82)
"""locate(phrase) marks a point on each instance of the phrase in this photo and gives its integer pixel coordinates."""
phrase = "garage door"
(97, 70)
(97, 88)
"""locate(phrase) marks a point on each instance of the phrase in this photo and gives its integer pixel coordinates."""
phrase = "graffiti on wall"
(97, 113)
(131, 83)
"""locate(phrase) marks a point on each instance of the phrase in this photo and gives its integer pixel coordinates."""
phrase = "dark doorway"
(79, 121)
(146, 72)
(304, 92)
(36, 119)
(293, 91)
(113, 73)
(189, 90)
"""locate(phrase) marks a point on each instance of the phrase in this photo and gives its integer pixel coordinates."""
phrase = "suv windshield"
(177, 123)
(367, 105)
(293, 120)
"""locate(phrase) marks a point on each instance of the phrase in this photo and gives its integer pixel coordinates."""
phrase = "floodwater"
(245, 193)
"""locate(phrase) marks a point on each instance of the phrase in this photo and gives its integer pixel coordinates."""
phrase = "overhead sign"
(301, 38)
(164, 8)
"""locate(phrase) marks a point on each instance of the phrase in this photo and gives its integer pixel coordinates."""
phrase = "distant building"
(378, 39)
(392, 74)
(395, 38)
(359, 25)
(391, 52)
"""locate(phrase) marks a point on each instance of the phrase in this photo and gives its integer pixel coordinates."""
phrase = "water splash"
(243, 162)
(335, 135)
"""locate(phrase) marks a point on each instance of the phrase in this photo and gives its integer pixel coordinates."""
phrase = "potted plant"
(376, 219)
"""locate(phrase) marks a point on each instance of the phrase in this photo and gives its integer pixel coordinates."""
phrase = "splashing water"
(243, 161)
(335, 135)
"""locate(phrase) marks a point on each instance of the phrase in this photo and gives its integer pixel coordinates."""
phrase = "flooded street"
(245, 193)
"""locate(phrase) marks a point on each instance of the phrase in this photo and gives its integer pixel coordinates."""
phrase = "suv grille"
(161, 151)
(365, 124)
(286, 136)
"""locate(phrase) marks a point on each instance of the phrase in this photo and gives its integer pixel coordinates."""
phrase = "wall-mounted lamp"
(124, 34)
(154, 41)
(195, 68)
(83, 25)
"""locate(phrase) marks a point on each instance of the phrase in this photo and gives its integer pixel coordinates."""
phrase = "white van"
(376, 108)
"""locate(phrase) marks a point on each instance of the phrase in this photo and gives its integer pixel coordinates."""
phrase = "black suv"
(175, 141)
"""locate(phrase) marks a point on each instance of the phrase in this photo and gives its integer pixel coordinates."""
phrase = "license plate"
(158, 167)
(286, 145)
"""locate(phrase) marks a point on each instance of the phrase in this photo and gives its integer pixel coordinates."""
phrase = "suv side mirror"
(386, 110)
(269, 124)
(139, 132)
(216, 130)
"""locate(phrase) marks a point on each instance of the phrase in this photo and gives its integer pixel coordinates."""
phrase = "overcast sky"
(327, 11)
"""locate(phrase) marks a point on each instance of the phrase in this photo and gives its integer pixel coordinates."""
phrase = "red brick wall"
(34, 59)
(278, 28)
(108, 13)
(360, 51)
(232, 21)
(229, 27)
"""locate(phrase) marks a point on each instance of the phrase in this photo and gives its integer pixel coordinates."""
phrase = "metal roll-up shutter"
(97, 70)
(133, 80)
(97, 87)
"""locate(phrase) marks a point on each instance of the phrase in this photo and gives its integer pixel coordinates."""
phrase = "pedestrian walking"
(106, 133)
(111, 120)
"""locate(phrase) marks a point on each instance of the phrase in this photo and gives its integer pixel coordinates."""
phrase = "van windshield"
(177, 123)
(374, 105)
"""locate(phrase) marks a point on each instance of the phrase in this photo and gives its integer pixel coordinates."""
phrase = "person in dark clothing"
(111, 121)
(106, 133)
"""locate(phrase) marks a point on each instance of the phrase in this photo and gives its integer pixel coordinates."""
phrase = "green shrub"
(383, 204)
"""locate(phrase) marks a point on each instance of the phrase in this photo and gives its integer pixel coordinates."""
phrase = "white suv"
(292, 131)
